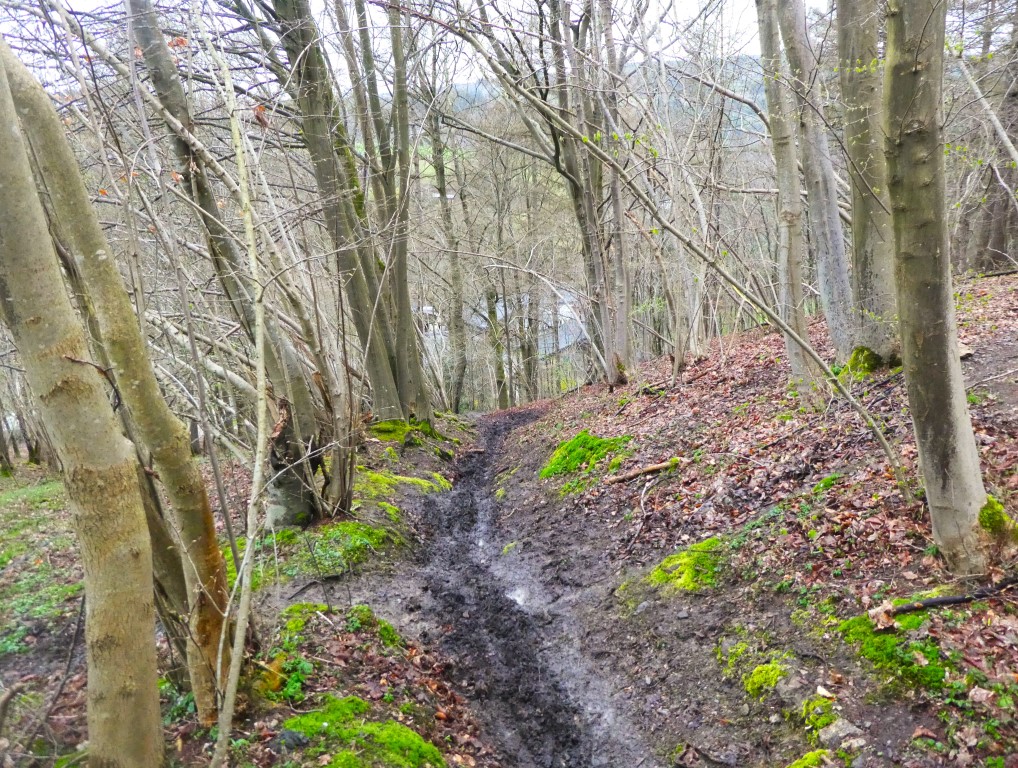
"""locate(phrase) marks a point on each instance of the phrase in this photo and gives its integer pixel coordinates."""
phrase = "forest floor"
(711, 613)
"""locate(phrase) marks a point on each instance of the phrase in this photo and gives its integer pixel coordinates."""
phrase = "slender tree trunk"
(457, 327)
(99, 465)
(872, 237)
(825, 217)
(497, 347)
(948, 457)
(791, 241)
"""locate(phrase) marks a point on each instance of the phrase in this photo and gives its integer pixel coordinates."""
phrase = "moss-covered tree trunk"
(913, 88)
(99, 467)
(872, 237)
(75, 225)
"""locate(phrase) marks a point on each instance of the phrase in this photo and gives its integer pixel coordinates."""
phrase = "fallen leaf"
(980, 695)
(881, 615)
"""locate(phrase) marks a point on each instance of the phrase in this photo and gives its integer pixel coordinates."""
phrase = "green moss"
(731, 659)
(361, 618)
(391, 511)
(337, 546)
(410, 432)
(863, 361)
(813, 759)
(817, 713)
(762, 679)
(500, 494)
(995, 521)
(344, 723)
(582, 452)
(891, 652)
(384, 484)
(694, 568)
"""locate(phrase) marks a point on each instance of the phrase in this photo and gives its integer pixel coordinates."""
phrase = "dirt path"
(511, 629)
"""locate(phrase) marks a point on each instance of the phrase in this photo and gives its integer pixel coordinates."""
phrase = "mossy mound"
(815, 759)
(917, 663)
(408, 433)
(362, 618)
(863, 361)
(344, 724)
(582, 452)
(697, 567)
(383, 484)
(763, 679)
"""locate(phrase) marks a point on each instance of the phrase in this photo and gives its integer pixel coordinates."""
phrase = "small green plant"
(826, 484)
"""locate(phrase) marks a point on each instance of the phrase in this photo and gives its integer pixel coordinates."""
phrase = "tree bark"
(872, 237)
(948, 458)
(99, 466)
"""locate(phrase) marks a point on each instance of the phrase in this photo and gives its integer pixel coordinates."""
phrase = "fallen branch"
(633, 474)
(937, 602)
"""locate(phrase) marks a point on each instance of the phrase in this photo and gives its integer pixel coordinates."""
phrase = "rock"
(642, 607)
(853, 745)
(288, 740)
(790, 689)
(838, 732)
(682, 614)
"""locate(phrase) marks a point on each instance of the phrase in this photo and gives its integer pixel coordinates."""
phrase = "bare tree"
(948, 457)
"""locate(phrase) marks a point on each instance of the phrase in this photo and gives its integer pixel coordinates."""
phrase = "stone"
(838, 732)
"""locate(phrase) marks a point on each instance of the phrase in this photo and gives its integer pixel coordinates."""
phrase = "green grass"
(37, 583)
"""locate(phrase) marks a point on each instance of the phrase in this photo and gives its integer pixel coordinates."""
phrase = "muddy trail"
(511, 630)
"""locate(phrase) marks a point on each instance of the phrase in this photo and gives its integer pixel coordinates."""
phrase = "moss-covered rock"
(996, 522)
(817, 713)
(345, 725)
(697, 567)
(863, 361)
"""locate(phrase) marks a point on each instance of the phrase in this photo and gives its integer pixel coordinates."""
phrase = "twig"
(993, 378)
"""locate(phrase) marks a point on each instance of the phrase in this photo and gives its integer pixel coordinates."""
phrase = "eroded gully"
(514, 628)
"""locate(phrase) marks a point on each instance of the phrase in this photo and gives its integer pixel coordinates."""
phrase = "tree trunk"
(791, 242)
(825, 217)
(99, 465)
(948, 457)
(76, 228)
(872, 237)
